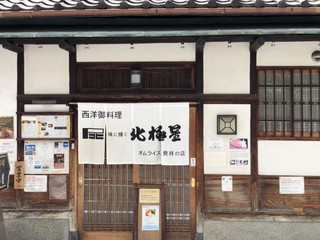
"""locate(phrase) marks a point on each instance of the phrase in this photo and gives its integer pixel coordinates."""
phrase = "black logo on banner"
(93, 133)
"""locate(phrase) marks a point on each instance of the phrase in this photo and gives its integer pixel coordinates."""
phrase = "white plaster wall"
(8, 80)
(8, 96)
(226, 69)
(288, 157)
(299, 158)
(216, 162)
(46, 69)
(46, 108)
(142, 52)
(287, 54)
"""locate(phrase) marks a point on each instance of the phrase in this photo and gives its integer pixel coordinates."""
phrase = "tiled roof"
(36, 5)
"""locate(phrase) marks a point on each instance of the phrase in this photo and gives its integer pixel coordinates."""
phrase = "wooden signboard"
(19, 175)
(150, 212)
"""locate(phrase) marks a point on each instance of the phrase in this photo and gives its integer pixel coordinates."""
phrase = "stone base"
(37, 229)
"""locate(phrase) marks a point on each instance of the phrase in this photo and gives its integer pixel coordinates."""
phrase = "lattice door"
(106, 197)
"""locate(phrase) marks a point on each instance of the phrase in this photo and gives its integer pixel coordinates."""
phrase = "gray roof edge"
(160, 33)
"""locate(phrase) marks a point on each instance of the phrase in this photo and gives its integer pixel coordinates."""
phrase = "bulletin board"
(46, 157)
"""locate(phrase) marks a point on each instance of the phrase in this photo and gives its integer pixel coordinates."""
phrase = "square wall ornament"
(226, 124)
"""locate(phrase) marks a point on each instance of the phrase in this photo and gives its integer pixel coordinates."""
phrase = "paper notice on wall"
(239, 152)
(6, 128)
(150, 218)
(226, 184)
(291, 185)
(46, 157)
(45, 126)
(214, 144)
(35, 183)
(9, 146)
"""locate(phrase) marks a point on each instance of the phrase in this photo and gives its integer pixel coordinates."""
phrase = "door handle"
(193, 182)
(80, 181)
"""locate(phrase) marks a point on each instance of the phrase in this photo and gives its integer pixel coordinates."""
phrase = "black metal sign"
(4, 171)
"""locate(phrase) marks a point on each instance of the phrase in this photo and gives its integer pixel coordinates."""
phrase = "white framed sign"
(291, 185)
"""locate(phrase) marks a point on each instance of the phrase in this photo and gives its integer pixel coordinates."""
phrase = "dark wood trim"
(254, 159)
(138, 96)
(254, 186)
(200, 205)
(72, 72)
(20, 73)
(200, 43)
(253, 72)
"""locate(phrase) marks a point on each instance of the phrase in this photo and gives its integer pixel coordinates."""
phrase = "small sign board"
(19, 175)
(4, 171)
(291, 185)
(149, 195)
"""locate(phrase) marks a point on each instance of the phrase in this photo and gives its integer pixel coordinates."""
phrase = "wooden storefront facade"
(262, 72)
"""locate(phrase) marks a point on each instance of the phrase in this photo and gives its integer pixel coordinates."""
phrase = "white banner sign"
(146, 133)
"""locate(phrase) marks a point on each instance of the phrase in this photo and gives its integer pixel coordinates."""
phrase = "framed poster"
(45, 126)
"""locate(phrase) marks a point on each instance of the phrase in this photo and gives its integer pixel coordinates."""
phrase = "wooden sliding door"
(105, 195)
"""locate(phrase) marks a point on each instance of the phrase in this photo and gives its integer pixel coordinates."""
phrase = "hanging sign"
(151, 133)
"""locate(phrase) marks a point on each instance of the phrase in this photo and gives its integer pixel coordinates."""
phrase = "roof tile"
(20, 5)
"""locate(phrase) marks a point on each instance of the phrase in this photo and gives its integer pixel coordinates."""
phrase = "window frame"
(294, 79)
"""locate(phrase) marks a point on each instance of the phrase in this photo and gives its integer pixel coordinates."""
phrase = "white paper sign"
(150, 218)
(226, 183)
(291, 185)
(215, 144)
(9, 146)
(35, 183)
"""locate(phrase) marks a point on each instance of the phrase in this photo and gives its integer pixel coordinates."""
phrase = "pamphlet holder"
(149, 212)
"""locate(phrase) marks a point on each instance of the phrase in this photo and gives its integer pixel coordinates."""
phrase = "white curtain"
(91, 133)
(142, 133)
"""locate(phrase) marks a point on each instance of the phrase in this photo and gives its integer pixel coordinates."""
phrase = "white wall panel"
(287, 54)
(300, 158)
(142, 52)
(216, 161)
(226, 69)
(46, 70)
(8, 80)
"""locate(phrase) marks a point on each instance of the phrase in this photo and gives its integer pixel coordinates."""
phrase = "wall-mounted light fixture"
(226, 124)
(316, 56)
(135, 80)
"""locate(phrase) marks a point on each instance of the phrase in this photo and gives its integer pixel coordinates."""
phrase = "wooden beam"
(259, 42)
(12, 47)
(63, 44)
(199, 64)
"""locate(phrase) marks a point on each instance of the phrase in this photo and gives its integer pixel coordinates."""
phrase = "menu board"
(45, 126)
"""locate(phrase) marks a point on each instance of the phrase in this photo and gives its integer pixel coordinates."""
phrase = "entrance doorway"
(105, 196)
